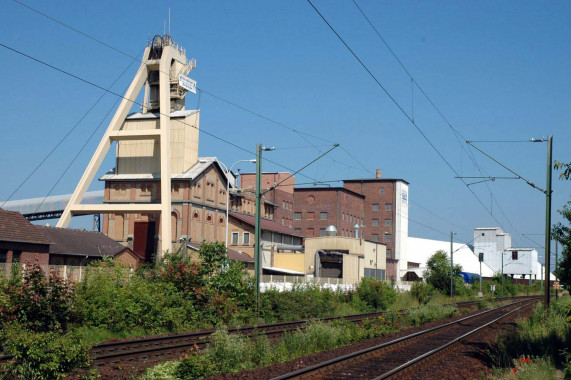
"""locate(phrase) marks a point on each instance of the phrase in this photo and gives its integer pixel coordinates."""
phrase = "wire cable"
(66, 135)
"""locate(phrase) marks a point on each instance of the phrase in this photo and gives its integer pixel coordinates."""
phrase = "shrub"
(39, 302)
(302, 302)
(426, 314)
(109, 297)
(377, 295)
(43, 355)
(422, 292)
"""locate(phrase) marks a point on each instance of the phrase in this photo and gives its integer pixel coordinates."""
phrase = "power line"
(382, 87)
(303, 135)
(456, 133)
(300, 133)
(135, 102)
(68, 132)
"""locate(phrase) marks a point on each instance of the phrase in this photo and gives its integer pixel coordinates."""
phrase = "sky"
(494, 70)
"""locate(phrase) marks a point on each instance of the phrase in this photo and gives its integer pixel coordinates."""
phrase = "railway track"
(158, 347)
(396, 357)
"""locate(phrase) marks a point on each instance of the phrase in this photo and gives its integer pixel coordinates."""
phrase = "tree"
(562, 233)
(438, 272)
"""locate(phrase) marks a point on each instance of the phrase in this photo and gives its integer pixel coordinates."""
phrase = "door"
(144, 240)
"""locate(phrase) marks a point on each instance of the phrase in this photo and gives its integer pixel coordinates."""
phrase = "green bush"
(43, 355)
(110, 297)
(423, 292)
(429, 313)
(302, 302)
(377, 295)
(37, 301)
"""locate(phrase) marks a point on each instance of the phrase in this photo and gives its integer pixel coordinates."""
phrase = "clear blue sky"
(497, 70)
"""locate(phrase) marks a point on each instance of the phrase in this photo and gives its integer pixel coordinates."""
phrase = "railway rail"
(157, 347)
(403, 354)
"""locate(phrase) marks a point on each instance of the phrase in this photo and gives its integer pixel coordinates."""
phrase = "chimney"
(378, 174)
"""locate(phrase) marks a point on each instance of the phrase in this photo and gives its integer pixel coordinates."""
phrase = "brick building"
(316, 208)
(385, 216)
(281, 197)
(198, 198)
(21, 241)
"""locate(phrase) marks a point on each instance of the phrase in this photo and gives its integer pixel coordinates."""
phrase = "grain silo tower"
(155, 143)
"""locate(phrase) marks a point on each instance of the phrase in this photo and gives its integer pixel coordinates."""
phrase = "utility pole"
(556, 267)
(548, 220)
(257, 230)
(502, 268)
(451, 264)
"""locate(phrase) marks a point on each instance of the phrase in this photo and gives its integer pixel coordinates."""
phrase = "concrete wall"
(143, 156)
(291, 261)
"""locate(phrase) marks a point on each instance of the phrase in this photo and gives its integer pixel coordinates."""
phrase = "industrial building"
(420, 250)
(492, 241)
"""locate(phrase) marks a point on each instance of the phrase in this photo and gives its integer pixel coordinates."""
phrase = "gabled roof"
(195, 171)
(68, 241)
(15, 228)
(267, 225)
(232, 254)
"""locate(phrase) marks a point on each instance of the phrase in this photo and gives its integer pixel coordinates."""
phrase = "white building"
(492, 241)
(521, 262)
(420, 250)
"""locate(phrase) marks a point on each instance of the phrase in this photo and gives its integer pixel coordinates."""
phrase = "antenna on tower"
(169, 21)
(164, 27)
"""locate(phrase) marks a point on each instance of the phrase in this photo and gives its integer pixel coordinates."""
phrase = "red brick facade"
(281, 197)
(379, 221)
(317, 208)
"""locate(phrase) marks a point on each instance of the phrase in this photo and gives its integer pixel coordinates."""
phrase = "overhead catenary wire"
(299, 132)
(303, 135)
(456, 133)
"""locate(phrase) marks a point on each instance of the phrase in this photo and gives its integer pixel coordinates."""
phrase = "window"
(382, 191)
(388, 207)
(375, 237)
(298, 231)
(389, 253)
(310, 232)
(297, 215)
(323, 216)
(375, 207)
(310, 215)
(283, 221)
(375, 223)
(16, 256)
(343, 216)
(388, 237)
(322, 232)
(514, 255)
(388, 222)
(234, 238)
(246, 239)
(284, 205)
(3, 255)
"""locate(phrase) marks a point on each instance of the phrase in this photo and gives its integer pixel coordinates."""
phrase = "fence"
(267, 281)
(67, 272)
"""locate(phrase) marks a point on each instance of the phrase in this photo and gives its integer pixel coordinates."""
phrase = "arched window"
(174, 226)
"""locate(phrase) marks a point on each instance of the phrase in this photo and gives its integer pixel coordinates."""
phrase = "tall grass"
(546, 334)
